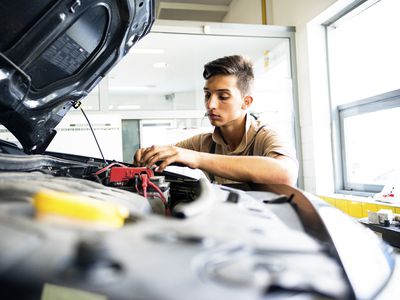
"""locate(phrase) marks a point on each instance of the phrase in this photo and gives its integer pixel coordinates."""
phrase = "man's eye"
(223, 97)
(207, 95)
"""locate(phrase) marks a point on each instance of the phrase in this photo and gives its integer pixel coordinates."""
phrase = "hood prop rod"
(77, 104)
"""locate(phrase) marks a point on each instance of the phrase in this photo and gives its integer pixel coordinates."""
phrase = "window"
(363, 63)
(370, 142)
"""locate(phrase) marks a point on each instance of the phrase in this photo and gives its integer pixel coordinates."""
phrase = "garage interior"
(325, 75)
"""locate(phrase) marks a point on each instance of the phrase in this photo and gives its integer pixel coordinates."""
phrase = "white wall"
(313, 116)
(244, 11)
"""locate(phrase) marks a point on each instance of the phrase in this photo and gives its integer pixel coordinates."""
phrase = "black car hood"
(53, 53)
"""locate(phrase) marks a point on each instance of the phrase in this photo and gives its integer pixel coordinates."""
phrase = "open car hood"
(54, 53)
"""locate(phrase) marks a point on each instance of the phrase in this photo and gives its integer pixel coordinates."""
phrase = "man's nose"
(211, 102)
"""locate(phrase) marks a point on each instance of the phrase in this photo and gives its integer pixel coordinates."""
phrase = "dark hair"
(235, 65)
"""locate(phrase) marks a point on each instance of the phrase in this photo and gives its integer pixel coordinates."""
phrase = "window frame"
(372, 104)
(387, 100)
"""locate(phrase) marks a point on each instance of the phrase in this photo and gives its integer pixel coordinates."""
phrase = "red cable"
(167, 211)
(164, 200)
(145, 181)
(162, 197)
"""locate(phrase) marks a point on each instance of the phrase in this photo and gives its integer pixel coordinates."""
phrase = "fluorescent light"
(160, 65)
(147, 51)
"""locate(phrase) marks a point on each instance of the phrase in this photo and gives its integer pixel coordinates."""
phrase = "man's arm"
(256, 169)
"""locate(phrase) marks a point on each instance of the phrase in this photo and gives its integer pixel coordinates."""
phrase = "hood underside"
(54, 53)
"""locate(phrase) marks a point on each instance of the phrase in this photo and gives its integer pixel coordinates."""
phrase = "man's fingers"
(164, 154)
(150, 156)
(148, 153)
(159, 156)
(165, 163)
(137, 157)
(152, 161)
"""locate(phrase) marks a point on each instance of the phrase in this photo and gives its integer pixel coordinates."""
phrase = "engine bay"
(111, 228)
(223, 241)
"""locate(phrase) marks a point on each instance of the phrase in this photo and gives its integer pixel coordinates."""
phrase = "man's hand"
(137, 158)
(256, 169)
(167, 155)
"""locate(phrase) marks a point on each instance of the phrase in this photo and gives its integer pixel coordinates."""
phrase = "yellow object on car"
(49, 203)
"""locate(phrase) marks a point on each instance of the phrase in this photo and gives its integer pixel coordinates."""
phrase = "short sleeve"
(200, 142)
(269, 142)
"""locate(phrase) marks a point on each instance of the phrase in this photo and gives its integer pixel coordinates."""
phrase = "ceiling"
(192, 10)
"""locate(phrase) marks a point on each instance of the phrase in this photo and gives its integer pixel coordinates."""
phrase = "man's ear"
(247, 101)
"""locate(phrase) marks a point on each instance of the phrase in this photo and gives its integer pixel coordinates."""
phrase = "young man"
(239, 149)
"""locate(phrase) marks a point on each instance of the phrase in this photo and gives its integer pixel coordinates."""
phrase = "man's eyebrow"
(218, 90)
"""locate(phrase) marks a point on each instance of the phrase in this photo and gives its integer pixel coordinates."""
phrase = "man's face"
(223, 100)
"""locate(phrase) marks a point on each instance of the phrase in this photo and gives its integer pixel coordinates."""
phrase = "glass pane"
(363, 53)
(130, 139)
(171, 131)
(74, 136)
(373, 147)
